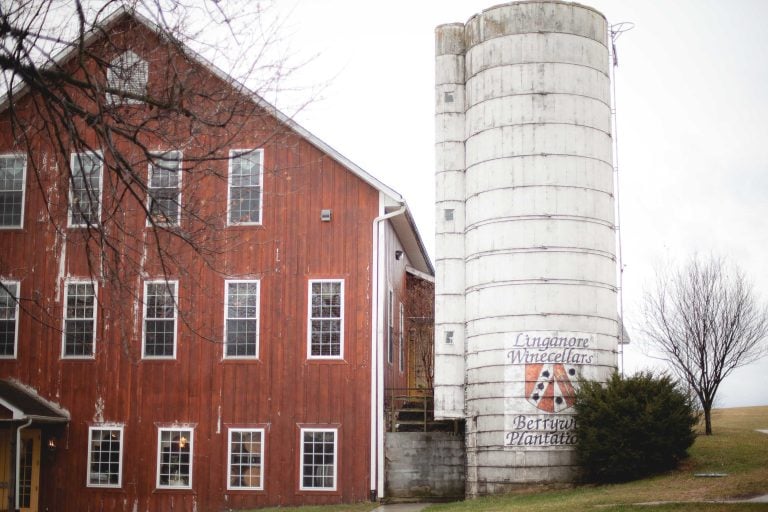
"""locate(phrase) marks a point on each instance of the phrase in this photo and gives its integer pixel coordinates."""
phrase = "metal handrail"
(413, 401)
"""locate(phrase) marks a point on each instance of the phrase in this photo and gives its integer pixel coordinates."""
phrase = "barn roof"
(23, 403)
(407, 230)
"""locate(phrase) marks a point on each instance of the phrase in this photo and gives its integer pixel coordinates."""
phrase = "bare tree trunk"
(705, 321)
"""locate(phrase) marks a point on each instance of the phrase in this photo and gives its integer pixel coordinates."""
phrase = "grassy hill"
(736, 448)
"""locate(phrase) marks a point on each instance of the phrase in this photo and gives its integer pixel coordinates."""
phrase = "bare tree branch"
(705, 321)
(66, 91)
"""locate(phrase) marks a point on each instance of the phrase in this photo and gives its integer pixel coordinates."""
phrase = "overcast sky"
(692, 113)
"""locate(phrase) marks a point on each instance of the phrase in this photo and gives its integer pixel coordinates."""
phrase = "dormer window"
(127, 73)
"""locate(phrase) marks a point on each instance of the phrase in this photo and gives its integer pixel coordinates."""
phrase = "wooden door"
(29, 470)
(5, 467)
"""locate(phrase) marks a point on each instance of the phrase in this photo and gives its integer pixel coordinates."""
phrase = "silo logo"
(549, 386)
(542, 371)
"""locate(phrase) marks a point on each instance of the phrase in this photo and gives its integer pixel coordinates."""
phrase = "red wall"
(280, 391)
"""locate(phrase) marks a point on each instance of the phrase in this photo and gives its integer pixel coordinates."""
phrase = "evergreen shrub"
(633, 427)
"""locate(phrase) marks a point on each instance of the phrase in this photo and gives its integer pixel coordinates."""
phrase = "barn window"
(105, 456)
(241, 323)
(9, 318)
(390, 329)
(160, 319)
(245, 469)
(85, 189)
(174, 458)
(245, 186)
(164, 189)
(12, 174)
(127, 78)
(326, 318)
(79, 319)
(401, 351)
(318, 459)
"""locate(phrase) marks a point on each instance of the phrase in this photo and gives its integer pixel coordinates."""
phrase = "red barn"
(200, 316)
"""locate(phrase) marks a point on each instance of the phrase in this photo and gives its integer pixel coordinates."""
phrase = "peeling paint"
(61, 255)
(98, 416)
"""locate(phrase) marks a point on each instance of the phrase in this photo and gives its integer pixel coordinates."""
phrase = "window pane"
(245, 188)
(160, 320)
(164, 188)
(79, 319)
(242, 324)
(127, 73)
(8, 319)
(318, 460)
(245, 465)
(105, 463)
(325, 318)
(85, 189)
(11, 189)
(175, 462)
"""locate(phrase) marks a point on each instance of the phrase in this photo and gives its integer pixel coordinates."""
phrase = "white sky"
(692, 110)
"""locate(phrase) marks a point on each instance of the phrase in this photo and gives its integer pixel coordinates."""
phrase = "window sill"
(318, 492)
(240, 359)
(244, 225)
(107, 488)
(323, 360)
(173, 490)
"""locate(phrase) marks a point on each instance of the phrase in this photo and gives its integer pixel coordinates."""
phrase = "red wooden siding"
(395, 272)
(281, 391)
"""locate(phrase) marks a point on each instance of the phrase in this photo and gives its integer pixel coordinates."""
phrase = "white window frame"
(133, 61)
(175, 294)
(401, 345)
(310, 318)
(70, 210)
(107, 427)
(233, 154)
(76, 281)
(258, 316)
(231, 487)
(17, 284)
(191, 441)
(13, 156)
(150, 171)
(335, 459)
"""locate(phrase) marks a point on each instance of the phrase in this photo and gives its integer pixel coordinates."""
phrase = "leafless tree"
(705, 321)
(71, 84)
(421, 320)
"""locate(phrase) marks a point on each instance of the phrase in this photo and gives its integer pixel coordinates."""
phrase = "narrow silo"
(525, 247)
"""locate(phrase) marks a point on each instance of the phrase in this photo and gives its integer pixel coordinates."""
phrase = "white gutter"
(377, 355)
(18, 458)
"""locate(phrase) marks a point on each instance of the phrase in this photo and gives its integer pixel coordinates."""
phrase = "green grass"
(735, 448)
(358, 507)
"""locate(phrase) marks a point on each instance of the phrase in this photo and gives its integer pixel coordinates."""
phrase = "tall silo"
(525, 247)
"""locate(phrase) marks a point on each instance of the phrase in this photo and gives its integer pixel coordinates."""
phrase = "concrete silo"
(525, 239)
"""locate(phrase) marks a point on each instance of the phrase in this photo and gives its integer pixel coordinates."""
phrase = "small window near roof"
(12, 174)
(127, 78)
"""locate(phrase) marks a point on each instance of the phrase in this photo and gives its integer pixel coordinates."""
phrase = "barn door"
(29, 470)
(5, 467)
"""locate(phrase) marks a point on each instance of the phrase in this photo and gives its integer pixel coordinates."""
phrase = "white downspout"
(18, 458)
(377, 354)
